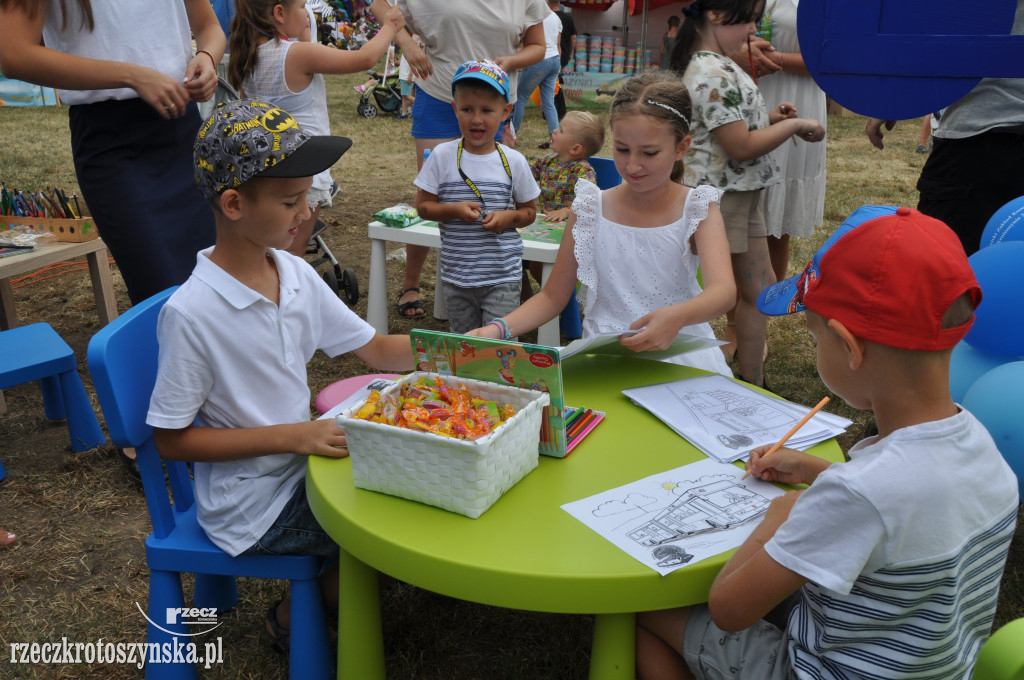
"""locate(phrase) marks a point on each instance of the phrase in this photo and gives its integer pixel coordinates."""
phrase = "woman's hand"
(201, 78)
(167, 96)
(760, 53)
(419, 62)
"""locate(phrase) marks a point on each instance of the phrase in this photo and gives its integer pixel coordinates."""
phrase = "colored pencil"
(803, 421)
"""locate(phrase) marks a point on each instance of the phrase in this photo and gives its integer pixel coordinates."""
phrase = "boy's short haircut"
(589, 131)
(248, 138)
(482, 76)
(888, 274)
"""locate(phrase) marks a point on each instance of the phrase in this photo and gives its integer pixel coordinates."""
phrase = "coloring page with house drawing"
(679, 517)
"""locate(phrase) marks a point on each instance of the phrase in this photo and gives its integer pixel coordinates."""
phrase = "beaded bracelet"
(505, 334)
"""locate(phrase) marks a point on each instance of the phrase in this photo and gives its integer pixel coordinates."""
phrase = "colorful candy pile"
(428, 405)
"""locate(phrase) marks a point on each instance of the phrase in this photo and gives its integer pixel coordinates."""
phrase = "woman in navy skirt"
(127, 71)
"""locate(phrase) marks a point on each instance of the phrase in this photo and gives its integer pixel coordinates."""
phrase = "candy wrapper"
(429, 405)
(398, 216)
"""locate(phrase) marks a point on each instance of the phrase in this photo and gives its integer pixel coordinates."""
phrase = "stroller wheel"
(360, 107)
(351, 286)
(369, 111)
(331, 279)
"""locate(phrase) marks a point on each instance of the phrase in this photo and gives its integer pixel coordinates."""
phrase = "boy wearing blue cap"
(894, 557)
(231, 393)
(480, 192)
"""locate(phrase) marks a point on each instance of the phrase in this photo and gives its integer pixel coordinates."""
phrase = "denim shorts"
(433, 118)
(295, 532)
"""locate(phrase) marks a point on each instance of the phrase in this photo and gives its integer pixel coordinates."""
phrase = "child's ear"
(508, 112)
(278, 13)
(231, 204)
(576, 150)
(683, 147)
(852, 345)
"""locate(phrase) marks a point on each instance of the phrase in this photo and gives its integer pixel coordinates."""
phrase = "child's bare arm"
(312, 57)
(752, 583)
(500, 220)
(389, 352)
(744, 145)
(214, 444)
(430, 208)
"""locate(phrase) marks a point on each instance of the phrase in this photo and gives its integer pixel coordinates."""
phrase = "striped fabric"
(471, 256)
(918, 621)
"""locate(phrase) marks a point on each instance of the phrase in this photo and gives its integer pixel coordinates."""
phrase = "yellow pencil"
(803, 421)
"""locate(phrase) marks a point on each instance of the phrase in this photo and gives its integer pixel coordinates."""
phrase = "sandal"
(131, 464)
(279, 636)
(404, 307)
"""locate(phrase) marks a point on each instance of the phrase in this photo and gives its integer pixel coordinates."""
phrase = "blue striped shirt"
(471, 256)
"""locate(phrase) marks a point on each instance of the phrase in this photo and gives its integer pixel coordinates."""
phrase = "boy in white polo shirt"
(231, 392)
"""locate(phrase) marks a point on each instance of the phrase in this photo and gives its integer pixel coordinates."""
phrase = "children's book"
(517, 364)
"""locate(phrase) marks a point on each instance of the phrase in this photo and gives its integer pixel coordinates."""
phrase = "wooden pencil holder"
(70, 231)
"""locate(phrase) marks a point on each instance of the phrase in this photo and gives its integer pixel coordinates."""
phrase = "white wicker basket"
(466, 477)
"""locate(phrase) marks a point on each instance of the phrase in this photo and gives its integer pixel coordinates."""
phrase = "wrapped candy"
(428, 405)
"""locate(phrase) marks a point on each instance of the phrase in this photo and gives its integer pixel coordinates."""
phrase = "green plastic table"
(525, 552)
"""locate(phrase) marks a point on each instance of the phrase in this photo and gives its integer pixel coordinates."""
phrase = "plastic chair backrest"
(122, 359)
(607, 175)
(1002, 656)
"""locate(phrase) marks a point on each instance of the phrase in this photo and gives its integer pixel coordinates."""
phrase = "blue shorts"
(295, 532)
(435, 119)
(406, 88)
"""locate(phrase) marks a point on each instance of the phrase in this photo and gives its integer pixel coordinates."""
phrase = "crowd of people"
(722, 162)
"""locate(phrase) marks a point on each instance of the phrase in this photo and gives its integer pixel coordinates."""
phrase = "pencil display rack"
(70, 231)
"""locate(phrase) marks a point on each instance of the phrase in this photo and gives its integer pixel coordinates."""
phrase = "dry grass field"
(78, 569)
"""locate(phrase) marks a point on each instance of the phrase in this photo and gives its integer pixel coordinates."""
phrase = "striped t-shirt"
(904, 547)
(471, 256)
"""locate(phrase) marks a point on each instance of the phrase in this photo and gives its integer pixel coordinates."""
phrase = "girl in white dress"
(636, 247)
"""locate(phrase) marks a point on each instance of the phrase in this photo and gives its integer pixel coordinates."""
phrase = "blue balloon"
(1006, 224)
(999, 320)
(966, 365)
(995, 400)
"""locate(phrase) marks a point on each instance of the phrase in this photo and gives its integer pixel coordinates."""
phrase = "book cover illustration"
(533, 367)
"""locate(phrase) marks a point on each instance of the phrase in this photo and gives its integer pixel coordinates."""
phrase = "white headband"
(670, 108)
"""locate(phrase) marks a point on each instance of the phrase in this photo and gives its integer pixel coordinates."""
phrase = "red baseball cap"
(889, 275)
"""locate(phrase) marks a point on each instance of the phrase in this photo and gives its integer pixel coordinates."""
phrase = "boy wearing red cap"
(894, 557)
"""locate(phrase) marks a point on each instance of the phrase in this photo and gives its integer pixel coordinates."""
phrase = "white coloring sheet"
(679, 517)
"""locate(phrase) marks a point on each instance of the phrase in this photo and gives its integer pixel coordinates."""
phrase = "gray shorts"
(470, 308)
(760, 652)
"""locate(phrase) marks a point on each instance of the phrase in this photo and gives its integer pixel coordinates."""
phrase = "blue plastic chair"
(607, 175)
(122, 358)
(37, 352)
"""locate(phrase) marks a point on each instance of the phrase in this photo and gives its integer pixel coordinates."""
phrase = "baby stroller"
(343, 283)
(385, 93)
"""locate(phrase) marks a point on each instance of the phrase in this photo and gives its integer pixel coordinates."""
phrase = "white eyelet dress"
(629, 271)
